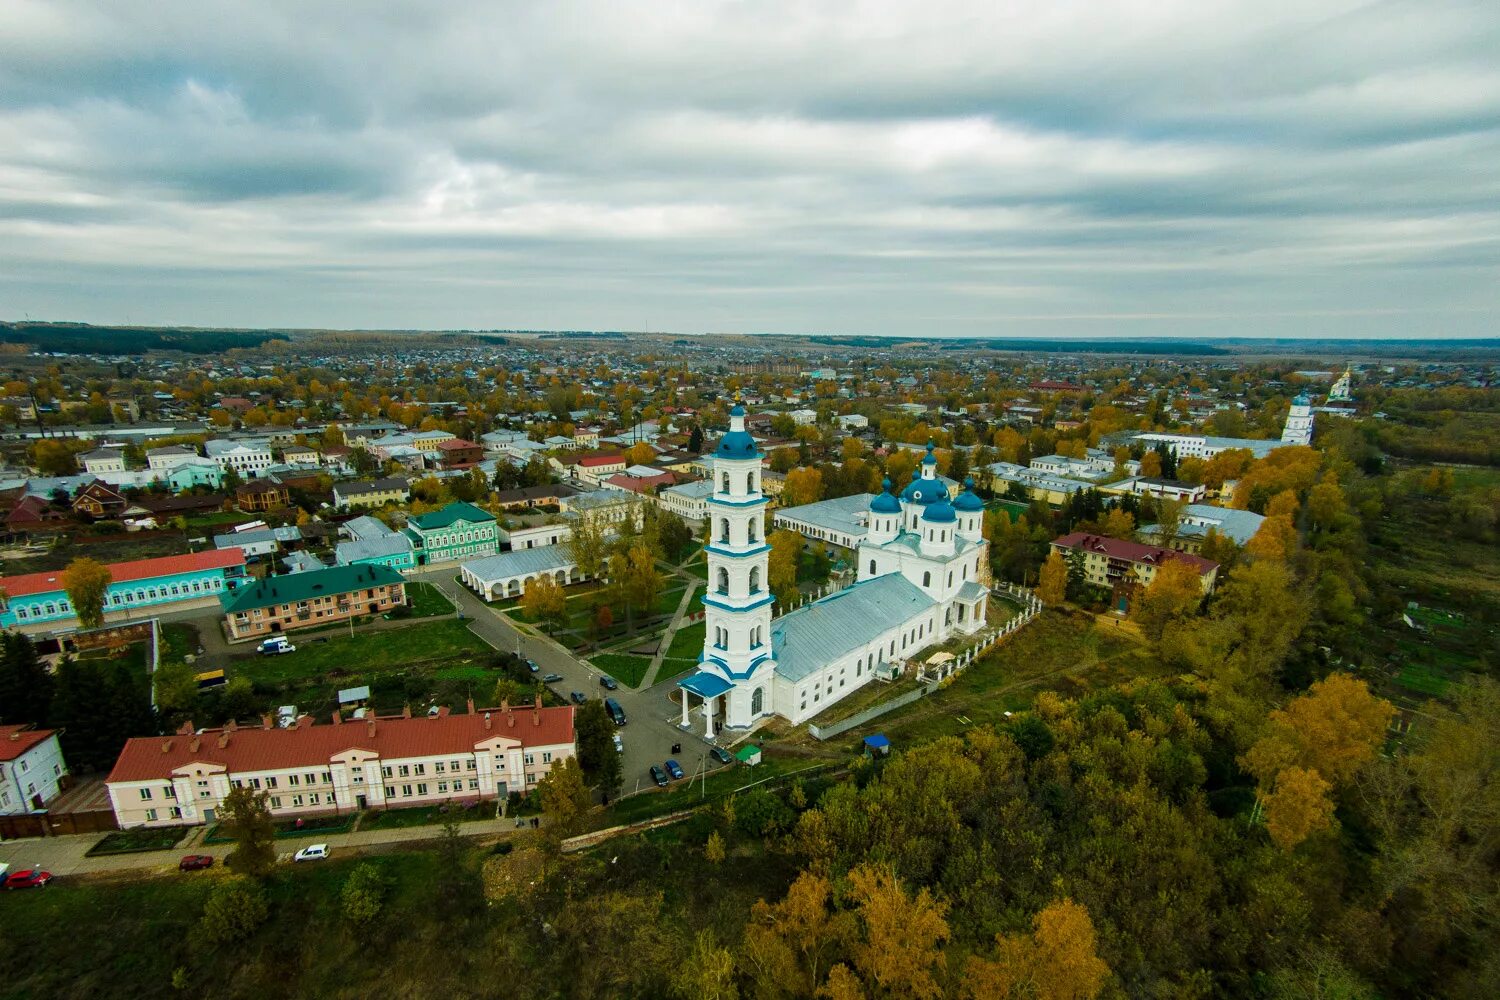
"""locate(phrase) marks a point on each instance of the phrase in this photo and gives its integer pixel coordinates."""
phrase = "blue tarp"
(878, 742)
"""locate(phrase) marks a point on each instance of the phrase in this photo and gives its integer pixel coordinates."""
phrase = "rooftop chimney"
(406, 711)
(224, 739)
(470, 703)
(486, 722)
(370, 724)
(338, 717)
(193, 746)
(505, 704)
(166, 746)
(442, 711)
(231, 726)
(266, 721)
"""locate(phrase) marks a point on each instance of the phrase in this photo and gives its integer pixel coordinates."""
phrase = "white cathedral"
(922, 571)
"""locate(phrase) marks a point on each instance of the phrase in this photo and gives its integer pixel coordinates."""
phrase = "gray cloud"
(1155, 166)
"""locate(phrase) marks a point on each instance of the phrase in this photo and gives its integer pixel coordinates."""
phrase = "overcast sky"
(1134, 167)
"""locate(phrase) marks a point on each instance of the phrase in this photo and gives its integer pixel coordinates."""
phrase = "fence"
(1030, 608)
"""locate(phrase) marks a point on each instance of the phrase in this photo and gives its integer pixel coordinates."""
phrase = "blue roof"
(808, 639)
(968, 500)
(736, 444)
(924, 491)
(705, 685)
(738, 410)
(940, 512)
(885, 503)
(931, 459)
(877, 741)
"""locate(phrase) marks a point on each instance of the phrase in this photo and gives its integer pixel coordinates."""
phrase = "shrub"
(363, 895)
(234, 910)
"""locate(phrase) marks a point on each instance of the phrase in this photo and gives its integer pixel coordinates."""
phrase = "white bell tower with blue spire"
(735, 671)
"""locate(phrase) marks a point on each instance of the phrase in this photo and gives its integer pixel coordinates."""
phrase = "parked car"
(659, 776)
(615, 711)
(608, 683)
(533, 666)
(195, 862)
(619, 743)
(674, 769)
(274, 647)
(28, 878)
(577, 697)
(314, 852)
(721, 755)
(551, 678)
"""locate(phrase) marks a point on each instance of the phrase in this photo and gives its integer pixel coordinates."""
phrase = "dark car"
(551, 678)
(674, 769)
(578, 697)
(659, 776)
(35, 878)
(195, 862)
(608, 683)
(721, 755)
(616, 713)
(533, 666)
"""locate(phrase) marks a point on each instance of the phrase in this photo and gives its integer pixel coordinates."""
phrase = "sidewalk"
(668, 636)
(66, 855)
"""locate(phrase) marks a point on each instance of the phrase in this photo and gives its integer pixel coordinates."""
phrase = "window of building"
(145, 795)
(313, 798)
(275, 802)
(150, 815)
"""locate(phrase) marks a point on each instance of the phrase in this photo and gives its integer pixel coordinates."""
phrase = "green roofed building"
(317, 597)
(458, 531)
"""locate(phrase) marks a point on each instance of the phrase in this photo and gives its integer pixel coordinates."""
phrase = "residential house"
(32, 513)
(528, 497)
(310, 770)
(31, 768)
(246, 458)
(534, 536)
(1126, 567)
(191, 474)
(300, 454)
(262, 495)
(34, 599)
(372, 543)
(458, 531)
(97, 463)
(456, 453)
(1194, 523)
(689, 500)
(374, 493)
(641, 479)
(169, 457)
(319, 597)
(1165, 489)
(99, 500)
(259, 542)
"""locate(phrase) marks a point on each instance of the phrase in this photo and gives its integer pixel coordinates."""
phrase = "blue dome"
(968, 501)
(931, 459)
(736, 444)
(885, 503)
(924, 491)
(1301, 400)
(940, 512)
(737, 411)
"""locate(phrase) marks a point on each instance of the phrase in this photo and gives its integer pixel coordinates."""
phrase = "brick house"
(459, 454)
(279, 604)
(262, 495)
(99, 500)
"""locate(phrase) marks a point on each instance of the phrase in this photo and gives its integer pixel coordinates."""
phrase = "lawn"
(400, 819)
(427, 601)
(382, 649)
(725, 781)
(688, 642)
(580, 631)
(160, 838)
(305, 827)
(1422, 679)
(627, 669)
(178, 640)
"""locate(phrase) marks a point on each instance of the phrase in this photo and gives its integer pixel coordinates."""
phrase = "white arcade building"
(923, 572)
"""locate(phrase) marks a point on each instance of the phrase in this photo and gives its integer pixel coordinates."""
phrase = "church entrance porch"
(711, 691)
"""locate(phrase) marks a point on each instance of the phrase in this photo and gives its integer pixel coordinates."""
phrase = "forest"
(84, 338)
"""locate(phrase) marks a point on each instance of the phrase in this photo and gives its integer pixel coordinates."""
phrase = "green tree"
(87, 581)
(245, 816)
(234, 910)
(25, 685)
(565, 799)
(586, 545)
(362, 895)
(596, 747)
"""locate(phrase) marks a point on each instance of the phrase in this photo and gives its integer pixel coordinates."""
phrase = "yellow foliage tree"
(1151, 464)
(802, 486)
(786, 552)
(1053, 585)
(544, 600)
(640, 453)
(87, 581)
(1118, 524)
(1283, 504)
(1275, 540)
(1335, 729)
(1174, 592)
(1058, 961)
(1298, 808)
(898, 952)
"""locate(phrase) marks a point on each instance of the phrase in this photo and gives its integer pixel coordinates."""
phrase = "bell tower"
(737, 603)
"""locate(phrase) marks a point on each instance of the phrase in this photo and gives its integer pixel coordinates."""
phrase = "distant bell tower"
(737, 604)
(1299, 422)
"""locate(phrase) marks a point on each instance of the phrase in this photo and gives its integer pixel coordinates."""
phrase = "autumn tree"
(1052, 587)
(1151, 465)
(544, 601)
(1275, 540)
(1174, 592)
(1336, 728)
(1284, 504)
(707, 973)
(788, 946)
(1057, 961)
(786, 554)
(898, 951)
(1118, 523)
(565, 798)
(586, 545)
(245, 816)
(802, 486)
(87, 582)
(1297, 807)
(640, 453)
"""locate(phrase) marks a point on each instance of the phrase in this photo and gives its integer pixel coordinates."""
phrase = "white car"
(619, 744)
(273, 647)
(314, 852)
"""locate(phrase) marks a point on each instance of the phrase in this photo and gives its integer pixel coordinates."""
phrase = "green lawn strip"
(462, 810)
(1423, 679)
(425, 642)
(160, 838)
(427, 601)
(178, 639)
(873, 693)
(626, 669)
(311, 825)
(688, 641)
(672, 668)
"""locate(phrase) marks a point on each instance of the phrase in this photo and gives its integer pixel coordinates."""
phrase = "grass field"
(424, 642)
(721, 783)
(140, 839)
(427, 601)
(394, 819)
(688, 642)
(627, 669)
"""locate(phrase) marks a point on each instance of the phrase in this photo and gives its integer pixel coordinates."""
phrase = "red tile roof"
(593, 461)
(457, 444)
(396, 738)
(127, 572)
(16, 740)
(1136, 552)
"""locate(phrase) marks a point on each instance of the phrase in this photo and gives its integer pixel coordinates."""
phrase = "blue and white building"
(922, 570)
(41, 599)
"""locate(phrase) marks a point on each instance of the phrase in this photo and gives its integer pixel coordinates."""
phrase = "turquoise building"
(458, 531)
(41, 598)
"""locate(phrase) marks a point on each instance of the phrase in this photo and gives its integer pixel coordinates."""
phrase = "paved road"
(652, 726)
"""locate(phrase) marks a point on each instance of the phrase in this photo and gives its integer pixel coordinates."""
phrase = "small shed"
(748, 755)
(878, 745)
(351, 696)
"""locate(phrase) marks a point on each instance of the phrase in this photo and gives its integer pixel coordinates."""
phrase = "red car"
(31, 878)
(195, 862)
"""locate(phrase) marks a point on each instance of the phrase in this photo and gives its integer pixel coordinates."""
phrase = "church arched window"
(750, 482)
(927, 579)
(723, 580)
(754, 579)
(724, 530)
(750, 527)
(872, 567)
(758, 701)
(725, 481)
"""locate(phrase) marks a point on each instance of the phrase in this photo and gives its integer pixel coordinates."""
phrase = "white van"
(273, 647)
(316, 852)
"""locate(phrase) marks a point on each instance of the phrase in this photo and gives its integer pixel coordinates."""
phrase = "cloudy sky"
(1125, 168)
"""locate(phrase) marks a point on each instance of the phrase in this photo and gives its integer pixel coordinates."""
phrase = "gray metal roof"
(836, 515)
(365, 527)
(525, 562)
(813, 636)
(1196, 519)
(378, 547)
